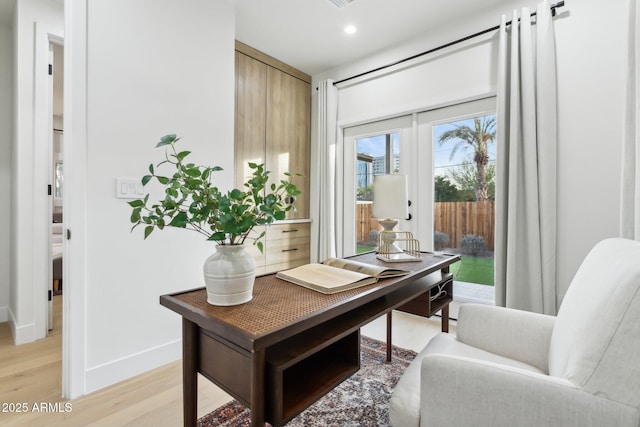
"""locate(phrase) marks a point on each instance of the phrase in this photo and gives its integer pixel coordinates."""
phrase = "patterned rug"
(360, 401)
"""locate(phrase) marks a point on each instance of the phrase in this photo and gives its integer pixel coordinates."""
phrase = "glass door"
(370, 150)
(460, 144)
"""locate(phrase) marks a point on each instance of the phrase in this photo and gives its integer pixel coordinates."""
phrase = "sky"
(374, 145)
(442, 153)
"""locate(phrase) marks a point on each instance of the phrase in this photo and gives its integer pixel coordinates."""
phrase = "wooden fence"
(365, 222)
(455, 219)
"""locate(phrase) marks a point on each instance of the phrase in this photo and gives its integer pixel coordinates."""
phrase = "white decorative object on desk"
(229, 275)
(390, 203)
(403, 240)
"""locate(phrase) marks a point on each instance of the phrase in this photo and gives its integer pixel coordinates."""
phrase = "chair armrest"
(463, 392)
(516, 334)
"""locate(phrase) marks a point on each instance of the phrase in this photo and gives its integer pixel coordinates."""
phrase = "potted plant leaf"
(193, 202)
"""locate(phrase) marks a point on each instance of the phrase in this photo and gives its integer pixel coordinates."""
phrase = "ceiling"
(309, 34)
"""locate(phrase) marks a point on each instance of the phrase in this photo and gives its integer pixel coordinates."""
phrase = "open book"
(337, 275)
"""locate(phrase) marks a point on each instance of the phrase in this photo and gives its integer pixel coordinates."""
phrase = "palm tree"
(478, 138)
(465, 178)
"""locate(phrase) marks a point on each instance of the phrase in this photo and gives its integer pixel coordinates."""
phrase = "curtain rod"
(497, 27)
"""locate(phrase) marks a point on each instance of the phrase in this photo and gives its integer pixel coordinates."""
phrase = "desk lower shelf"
(434, 300)
(300, 384)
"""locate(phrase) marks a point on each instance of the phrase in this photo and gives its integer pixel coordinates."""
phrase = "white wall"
(35, 21)
(441, 79)
(591, 45)
(166, 67)
(592, 59)
(6, 123)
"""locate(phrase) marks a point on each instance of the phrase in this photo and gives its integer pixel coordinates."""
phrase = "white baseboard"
(127, 367)
(22, 334)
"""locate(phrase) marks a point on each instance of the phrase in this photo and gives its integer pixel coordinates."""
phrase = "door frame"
(74, 198)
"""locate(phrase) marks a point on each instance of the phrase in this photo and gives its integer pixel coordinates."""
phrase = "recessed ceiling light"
(350, 29)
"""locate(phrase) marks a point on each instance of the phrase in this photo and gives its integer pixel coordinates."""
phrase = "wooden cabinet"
(286, 245)
(288, 133)
(272, 126)
(251, 115)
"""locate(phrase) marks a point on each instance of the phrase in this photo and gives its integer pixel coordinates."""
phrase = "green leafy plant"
(440, 239)
(193, 202)
(471, 244)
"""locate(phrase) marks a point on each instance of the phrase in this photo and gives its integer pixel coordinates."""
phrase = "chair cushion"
(404, 408)
(596, 337)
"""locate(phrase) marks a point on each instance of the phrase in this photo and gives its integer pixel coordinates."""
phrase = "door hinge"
(68, 234)
(49, 189)
(50, 69)
(50, 295)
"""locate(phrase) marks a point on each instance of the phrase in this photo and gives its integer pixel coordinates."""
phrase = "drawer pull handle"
(290, 250)
(293, 230)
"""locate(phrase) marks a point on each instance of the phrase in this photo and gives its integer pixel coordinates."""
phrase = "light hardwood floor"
(31, 374)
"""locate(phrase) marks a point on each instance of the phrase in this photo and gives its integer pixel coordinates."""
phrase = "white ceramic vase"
(229, 275)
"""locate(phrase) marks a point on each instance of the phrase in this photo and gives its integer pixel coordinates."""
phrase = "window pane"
(464, 195)
(376, 155)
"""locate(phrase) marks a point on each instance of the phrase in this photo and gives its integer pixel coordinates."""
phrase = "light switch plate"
(127, 188)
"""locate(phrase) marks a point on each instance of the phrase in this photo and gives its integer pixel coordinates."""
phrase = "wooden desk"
(289, 345)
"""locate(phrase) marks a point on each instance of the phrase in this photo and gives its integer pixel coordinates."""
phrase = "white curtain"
(525, 254)
(323, 179)
(630, 209)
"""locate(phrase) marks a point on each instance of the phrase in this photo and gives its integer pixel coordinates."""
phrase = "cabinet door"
(251, 96)
(288, 133)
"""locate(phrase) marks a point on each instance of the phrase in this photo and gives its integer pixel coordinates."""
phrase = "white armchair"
(513, 368)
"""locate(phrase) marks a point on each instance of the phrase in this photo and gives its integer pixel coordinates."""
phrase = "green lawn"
(471, 269)
(474, 270)
(362, 249)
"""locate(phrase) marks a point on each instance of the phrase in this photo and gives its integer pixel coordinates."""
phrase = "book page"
(325, 278)
(361, 267)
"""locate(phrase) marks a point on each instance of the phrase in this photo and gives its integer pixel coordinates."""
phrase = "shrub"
(440, 239)
(471, 244)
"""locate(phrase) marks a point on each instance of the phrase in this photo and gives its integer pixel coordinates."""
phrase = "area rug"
(360, 401)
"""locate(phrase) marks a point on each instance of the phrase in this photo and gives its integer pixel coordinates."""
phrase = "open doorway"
(56, 101)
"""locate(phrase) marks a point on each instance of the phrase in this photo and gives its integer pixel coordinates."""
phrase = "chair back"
(596, 338)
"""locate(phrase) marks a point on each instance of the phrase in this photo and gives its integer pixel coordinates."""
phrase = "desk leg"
(258, 389)
(389, 343)
(190, 345)
(445, 318)
(445, 309)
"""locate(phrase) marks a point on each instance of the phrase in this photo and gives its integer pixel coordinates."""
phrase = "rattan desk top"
(277, 303)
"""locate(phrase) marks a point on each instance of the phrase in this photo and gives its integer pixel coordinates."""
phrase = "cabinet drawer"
(288, 231)
(286, 250)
